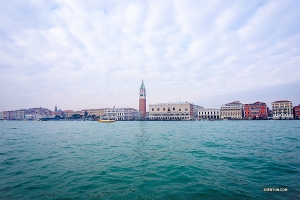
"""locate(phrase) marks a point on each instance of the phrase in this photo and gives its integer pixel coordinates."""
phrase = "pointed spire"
(142, 85)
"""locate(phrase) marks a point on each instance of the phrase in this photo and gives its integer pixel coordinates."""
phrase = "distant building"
(233, 110)
(68, 113)
(13, 115)
(270, 113)
(123, 114)
(257, 110)
(5, 115)
(79, 112)
(142, 99)
(282, 109)
(96, 112)
(173, 111)
(33, 116)
(209, 113)
(20, 114)
(55, 109)
(296, 112)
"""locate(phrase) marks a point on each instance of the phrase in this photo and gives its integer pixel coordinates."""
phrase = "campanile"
(142, 99)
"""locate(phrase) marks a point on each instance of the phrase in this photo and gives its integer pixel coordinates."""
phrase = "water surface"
(149, 160)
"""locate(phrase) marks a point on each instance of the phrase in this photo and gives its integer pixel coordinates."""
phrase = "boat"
(105, 120)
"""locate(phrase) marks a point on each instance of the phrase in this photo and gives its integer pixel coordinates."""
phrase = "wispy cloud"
(94, 54)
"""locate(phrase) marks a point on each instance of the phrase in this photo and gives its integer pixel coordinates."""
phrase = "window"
(157, 109)
(173, 108)
(152, 109)
(179, 109)
(168, 109)
(164, 109)
(186, 109)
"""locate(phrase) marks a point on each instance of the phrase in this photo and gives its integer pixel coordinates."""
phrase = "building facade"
(296, 112)
(13, 115)
(233, 110)
(282, 109)
(123, 114)
(257, 110)
(96, 112)
(209, 113)
(173, 111)
(142, 100)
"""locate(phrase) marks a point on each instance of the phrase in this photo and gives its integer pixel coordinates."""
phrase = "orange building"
(257, 110)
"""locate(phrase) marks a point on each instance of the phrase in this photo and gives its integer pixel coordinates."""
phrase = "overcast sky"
(94, 54)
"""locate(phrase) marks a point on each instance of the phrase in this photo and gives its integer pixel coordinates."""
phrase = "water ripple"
(149, 160)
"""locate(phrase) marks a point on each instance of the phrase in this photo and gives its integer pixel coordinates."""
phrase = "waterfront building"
(123, 114)
(96, 112)
(142, 99)
(43, 112)
(12, 115)
(68, 113)
(270, 113)
(33, 116)
(233, 110)
(173, 111)
(209, 113)
(20, 114)
(79, 112)
(282, 109)
(5, 115)
(297, 112)
(257, 110)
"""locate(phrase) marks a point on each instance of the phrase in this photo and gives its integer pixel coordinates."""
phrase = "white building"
(209, 113)
(33, 116)
(233, 110)
(282, 109)
(173, 111)
(122, 114)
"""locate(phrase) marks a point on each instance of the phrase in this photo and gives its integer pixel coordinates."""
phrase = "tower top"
(142, 85)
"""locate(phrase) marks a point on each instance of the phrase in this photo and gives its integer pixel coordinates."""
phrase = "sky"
(94, 54)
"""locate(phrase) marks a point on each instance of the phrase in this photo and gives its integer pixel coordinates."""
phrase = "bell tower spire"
(142, 99)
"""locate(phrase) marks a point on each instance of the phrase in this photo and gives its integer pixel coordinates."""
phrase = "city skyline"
(83, 55)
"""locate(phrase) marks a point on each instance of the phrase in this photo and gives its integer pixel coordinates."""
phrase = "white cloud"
(94, 54)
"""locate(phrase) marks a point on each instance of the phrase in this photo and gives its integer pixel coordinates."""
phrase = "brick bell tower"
(142, 99)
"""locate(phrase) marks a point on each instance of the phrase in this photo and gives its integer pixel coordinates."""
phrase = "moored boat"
(105, 120)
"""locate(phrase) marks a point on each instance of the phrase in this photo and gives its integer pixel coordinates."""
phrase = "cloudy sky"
(94, 54)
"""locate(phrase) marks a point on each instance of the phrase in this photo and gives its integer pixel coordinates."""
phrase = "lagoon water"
(149, 160)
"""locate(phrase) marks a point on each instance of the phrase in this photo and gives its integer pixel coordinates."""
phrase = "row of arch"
(169, 118)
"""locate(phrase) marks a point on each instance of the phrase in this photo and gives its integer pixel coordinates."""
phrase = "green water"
(149, 160)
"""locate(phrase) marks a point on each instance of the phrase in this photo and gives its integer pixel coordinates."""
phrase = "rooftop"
(281, 101)
(181, 103)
